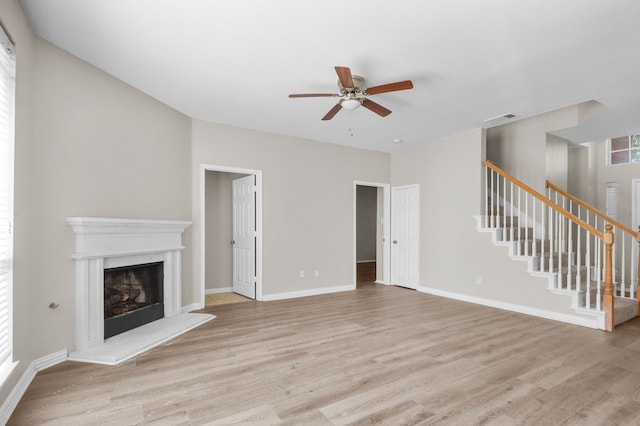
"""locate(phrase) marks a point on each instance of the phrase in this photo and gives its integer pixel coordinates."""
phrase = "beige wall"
(453, 254)
(582, 174)
(520, 148)
(86, 145)
(308, 203)
(557, 161)
(219, 220)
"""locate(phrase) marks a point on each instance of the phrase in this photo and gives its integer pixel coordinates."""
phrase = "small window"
(625, 149)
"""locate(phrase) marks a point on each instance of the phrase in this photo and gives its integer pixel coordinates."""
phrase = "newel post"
(608, 278)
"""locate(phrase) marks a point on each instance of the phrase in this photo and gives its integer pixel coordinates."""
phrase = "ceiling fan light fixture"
(350, 103)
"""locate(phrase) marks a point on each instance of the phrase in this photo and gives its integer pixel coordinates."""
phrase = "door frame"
(386, 231)
(204, 168)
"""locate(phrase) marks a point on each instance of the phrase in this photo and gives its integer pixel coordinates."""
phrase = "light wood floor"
(375, 355)
(224, 298)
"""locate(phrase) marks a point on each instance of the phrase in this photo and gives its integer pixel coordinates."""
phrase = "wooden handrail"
(592, 209)
(544, 200)
(606, 237)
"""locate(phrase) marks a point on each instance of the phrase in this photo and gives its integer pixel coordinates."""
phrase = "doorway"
(371, 233)
(220, 265)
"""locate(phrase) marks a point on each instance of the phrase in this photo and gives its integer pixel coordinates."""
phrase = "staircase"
(563, 245)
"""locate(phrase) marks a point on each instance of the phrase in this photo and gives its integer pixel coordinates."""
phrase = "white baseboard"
(309, 292)
(382, 282)
(20, 388)
(218, 290)
(528, 310)
(191, 307)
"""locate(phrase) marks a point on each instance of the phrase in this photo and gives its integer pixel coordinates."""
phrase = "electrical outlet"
(301, 274)
(478, 280)
(317, 274)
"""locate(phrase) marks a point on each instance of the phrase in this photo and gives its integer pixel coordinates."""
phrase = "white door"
(405, 235)
(244, 236)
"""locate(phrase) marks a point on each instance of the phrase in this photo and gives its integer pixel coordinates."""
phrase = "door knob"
(233, 242)
(395, 241)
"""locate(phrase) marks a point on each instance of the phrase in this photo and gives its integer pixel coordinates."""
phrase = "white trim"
(189, 308)
(218, 290)
(124, 346)
(309, 292)
(226, 169)
(7, 367)
(386, 229)
(512, 307)
(10, 404)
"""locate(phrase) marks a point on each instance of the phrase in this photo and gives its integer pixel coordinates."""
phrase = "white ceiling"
(235, 61)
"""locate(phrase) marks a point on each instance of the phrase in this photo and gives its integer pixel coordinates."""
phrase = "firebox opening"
(133, 296)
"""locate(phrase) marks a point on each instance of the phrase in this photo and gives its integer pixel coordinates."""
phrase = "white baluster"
(512, 233)
(493, 204)
(519, 222)
(578, 259)
(504, 207)
(598, 243)
(620, 237)
(496, 205)
(487, 195)
(533, 237)
(526, 225)
(552, 225)
(569, 255)
(560, 230)
(544, 235)
(588, 264)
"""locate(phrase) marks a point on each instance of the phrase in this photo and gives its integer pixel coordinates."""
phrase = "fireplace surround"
(109, 244)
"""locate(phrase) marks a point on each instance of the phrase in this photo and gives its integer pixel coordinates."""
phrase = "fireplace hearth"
(133, 296)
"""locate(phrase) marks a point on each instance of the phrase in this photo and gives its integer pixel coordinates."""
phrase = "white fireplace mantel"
(106, 243)
(101, 237)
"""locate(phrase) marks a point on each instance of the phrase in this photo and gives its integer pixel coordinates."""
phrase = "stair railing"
(559, 241)
(625, 271)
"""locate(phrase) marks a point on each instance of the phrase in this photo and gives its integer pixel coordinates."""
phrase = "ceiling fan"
(352, 95)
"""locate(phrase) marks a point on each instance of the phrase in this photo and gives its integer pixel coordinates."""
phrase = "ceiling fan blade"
(391, 87)
(345, 77)
(377, 108)
(332, 112)
(312, 95)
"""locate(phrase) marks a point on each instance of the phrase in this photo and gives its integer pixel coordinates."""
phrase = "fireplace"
(104, 245)
(133, 296)
(136, 264)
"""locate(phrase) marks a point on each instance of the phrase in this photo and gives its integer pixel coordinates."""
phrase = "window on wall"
(7, 87)
(625, 149)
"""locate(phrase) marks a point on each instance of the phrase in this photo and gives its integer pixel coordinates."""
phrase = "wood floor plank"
(377, 355)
